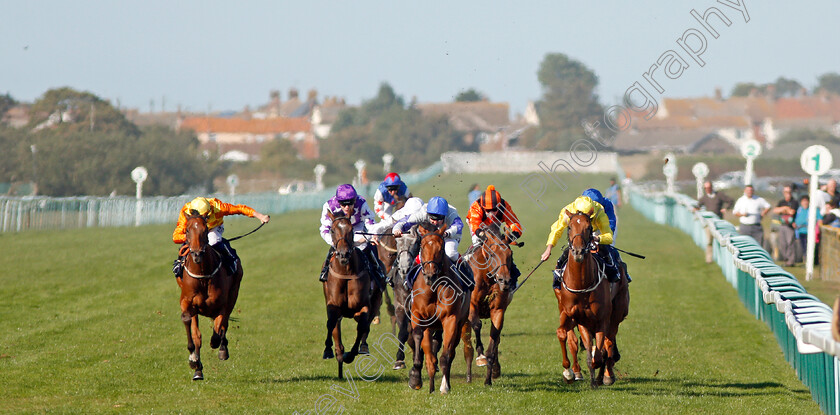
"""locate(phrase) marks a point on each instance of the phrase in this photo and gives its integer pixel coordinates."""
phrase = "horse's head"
(341, 232)
(580, 233)
(404, 257)
(196, 235)
(431, 251)
(499, 257)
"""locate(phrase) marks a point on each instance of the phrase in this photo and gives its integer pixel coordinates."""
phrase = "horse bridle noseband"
(436, 262)
(587, 243)
(200, 252)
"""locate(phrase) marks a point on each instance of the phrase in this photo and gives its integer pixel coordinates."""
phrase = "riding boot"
(228, 255)
(624, 265)
(610, 265)
(375, 267)
(514, 274)
(178, 267)
(325, 268)
(561, 262)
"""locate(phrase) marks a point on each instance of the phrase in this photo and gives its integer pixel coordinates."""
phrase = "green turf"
(91, 324)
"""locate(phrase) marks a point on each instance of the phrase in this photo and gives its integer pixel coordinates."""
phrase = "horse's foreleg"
(573, 350)
(591, 352)
(363, 319)
(475, 323)
(415, 378)
(469, 353)
(451, 337)
(497, 321)
(431, 358)
(562, 337)
(219, 339)
(195, 356)
(402, 336)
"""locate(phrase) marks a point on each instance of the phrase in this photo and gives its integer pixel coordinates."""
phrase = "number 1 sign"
(815, 160)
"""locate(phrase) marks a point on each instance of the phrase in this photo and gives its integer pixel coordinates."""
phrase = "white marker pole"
(750, 150)
(700, 171)
(139, 175)
(815, 160)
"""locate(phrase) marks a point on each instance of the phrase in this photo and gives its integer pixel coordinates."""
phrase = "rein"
(204, 276)
(591, 288)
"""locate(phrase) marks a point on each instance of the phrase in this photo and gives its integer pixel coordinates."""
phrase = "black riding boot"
(326, 267)
(375, 267)
(514, 274)
(561, 262)
(229, 256)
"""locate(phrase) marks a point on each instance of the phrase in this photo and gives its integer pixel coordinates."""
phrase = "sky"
(213, 55)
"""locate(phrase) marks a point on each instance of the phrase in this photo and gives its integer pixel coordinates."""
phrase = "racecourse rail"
(19, 214)
(800, 322)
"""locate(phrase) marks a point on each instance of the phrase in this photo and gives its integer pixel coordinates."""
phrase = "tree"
(743, 89)
(829, 82)
(86, 111)
(568, 99)
(470, 95)
(6, 103)
(787, 87)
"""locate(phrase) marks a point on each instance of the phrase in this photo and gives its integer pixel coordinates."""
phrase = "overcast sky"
(225, 55)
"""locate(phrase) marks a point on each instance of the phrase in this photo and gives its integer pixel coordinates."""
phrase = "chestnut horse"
(207, 289)
(491, 263)
(584, 301)
(437, 304)
(347, 293)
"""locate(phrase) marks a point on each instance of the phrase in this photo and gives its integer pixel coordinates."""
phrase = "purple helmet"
(345, 192)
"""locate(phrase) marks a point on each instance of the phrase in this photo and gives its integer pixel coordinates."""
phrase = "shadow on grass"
(387, 377)
(649, 386)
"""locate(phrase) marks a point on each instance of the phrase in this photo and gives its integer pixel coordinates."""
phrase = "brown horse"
(437, 304)
(584, 301)
(347, 293)
(207, 289)
(400, 264)
(491, 263)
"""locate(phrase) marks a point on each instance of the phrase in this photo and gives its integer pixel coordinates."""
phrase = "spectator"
(832, 217)
(749, 209)
(800, 223)
(474, 194)
(614, 193)
(786, 209)
(713, 202)
(828, 195)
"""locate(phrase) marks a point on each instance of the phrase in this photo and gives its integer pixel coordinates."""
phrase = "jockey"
(440, 214)
(600, 223)
(597, 197)
(387, 193)
(347, 203)
(490, 209)
(412, 205)
(214, 210)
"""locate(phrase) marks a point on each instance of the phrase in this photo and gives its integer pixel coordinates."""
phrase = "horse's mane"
(427, 226)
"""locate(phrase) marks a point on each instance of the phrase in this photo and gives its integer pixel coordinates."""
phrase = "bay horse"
(584, 300)
(347, 293)
(491, 263)
(207, 289)
(437, 304)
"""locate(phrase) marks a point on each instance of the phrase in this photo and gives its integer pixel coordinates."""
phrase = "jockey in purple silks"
(347, 203)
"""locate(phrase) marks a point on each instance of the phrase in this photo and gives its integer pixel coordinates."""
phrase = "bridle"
(347, 238)
(586, 236)
(436, 262)
(196, 255)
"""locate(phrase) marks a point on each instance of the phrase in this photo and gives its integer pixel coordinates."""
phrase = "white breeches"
(214, 236)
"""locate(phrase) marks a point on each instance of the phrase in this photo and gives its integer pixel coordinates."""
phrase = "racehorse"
(491, 263)
(437, 304)
(347, 293)
(401, 264)
(207, 289)
(584, 301)
(387, 251)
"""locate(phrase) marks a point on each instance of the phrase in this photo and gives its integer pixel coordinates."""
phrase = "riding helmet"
(345, 192)
(200, 205)
(594, 194)
(392, 179)
(437, 206)
(490, 199)
(583, 204)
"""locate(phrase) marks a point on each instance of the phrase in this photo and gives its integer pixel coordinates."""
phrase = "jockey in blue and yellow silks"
(600, 224)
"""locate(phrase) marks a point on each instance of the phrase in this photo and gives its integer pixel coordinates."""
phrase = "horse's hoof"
(608, 380)
(223, 354)
(375, 320)
(348, 357)
(488, 382)
(215, 341)
(481, 361)
(469, 378)
(568, 376)
(400, 364)
(328, 354)
(414, 380)
(198, 375)
(496, 372)
(363, 349)
(578, 376)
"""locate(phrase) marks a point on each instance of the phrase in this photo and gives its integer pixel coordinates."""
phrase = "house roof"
(809, 107)
(665, 139)
(470, 116)
(252, 126)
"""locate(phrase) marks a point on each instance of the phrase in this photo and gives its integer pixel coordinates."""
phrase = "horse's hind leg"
(475, 322)
(219, 339)
(469, 353)
(194, 336)
(402, 336)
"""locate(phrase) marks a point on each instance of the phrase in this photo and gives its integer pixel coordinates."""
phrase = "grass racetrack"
(91, 324)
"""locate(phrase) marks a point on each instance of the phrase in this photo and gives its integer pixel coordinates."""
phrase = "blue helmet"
(392, 179)
(437, 206)
(593, 194)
